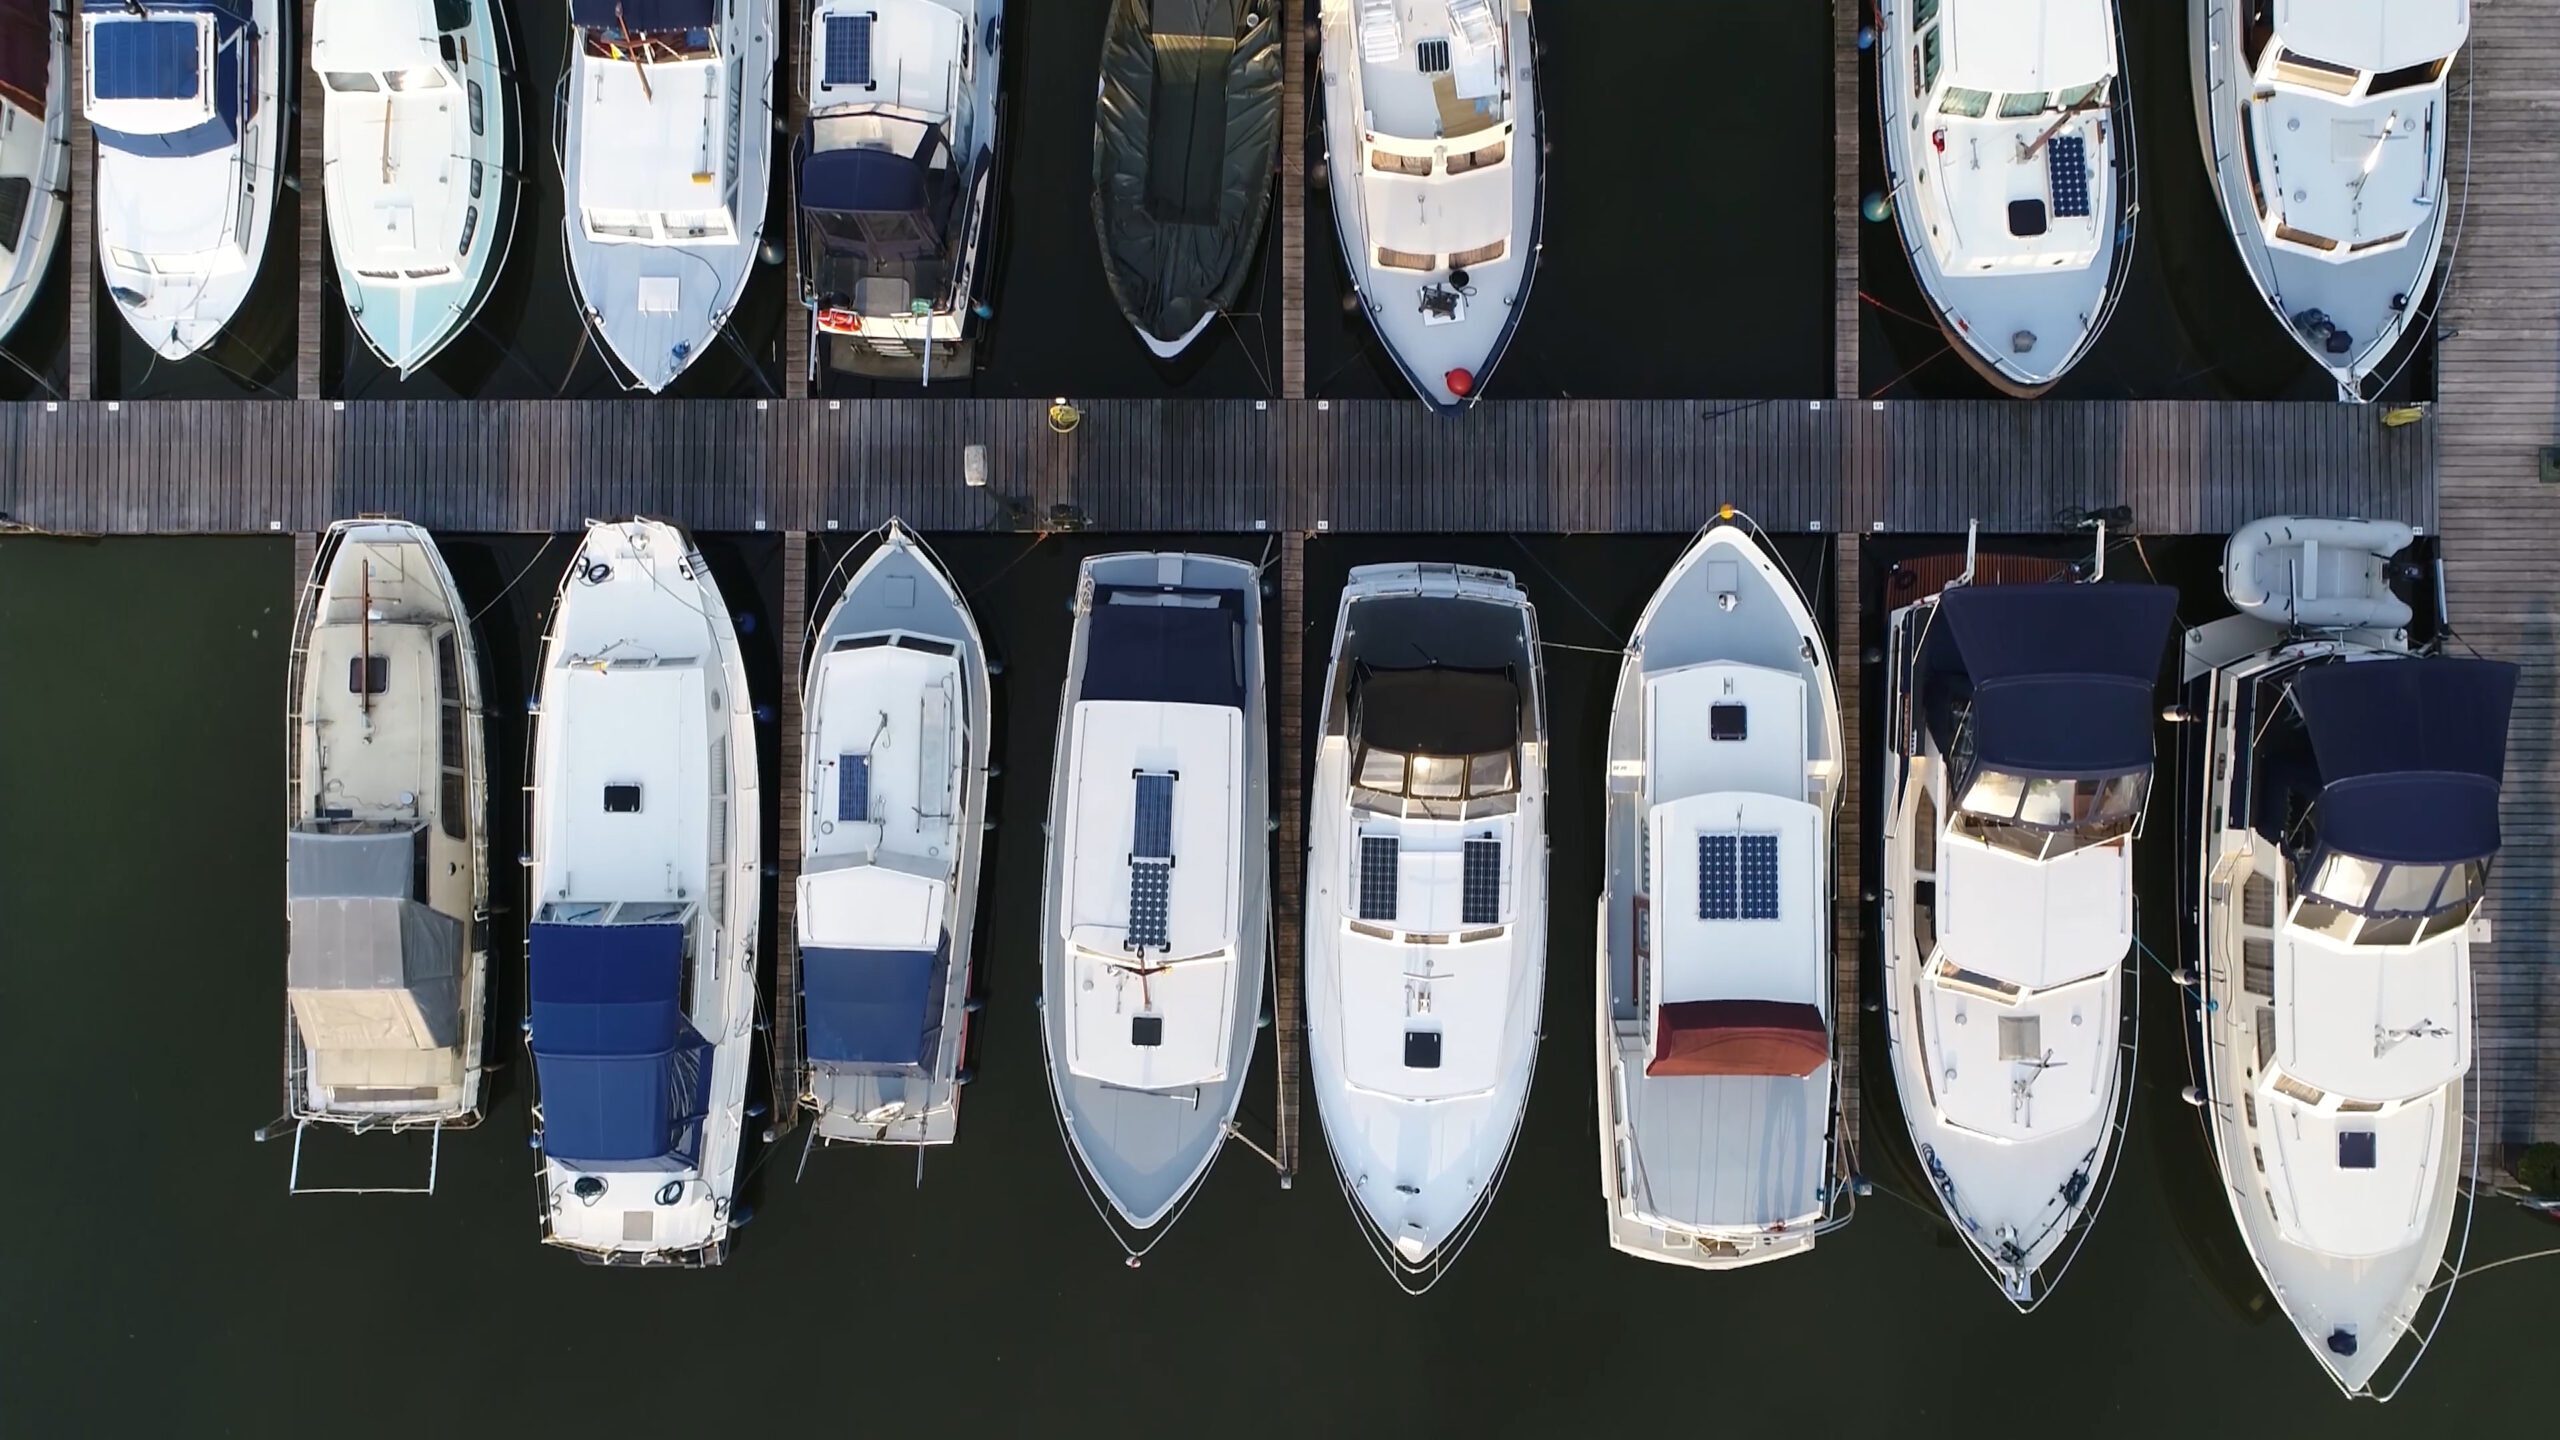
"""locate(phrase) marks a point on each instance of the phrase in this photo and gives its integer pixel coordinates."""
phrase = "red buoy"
(1461, 382)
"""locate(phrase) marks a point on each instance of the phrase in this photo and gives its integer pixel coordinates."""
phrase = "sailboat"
(1436, 156)
(1184, 134)
(897, 182)
(1427, 902)
(420, 154)
(2346, 816)
(2325, 127)
(642, 886)
(895, 750)
(386, 846)
(666, 149)
(2016, 767)
(1719, 1082)
(35, 148)
(1156, 909)
(182, 98)
(2008, 143)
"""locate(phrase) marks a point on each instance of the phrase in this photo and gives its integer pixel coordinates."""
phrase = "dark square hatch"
(621, 799)
(1422, 1049)
(1147, 1030)
(2355, 1149)
(1728, 722)
(2026, 218)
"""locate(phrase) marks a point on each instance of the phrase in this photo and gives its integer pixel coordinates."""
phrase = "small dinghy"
(1426, 944)
(2345, 818)
(643, 887)
(386, 851)
(897, 183)
(1720, 1139)
(895, 752)
(1156, 912)
(182, 98)
(421, 166)
(35, 148)
(1184, 136)
(2015, 772)
(1436, 152)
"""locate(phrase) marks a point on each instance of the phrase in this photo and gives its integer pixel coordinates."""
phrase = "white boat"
(1719, 1083)
(386, 850)
(2325, 126)
(35, 148)
(1435, 150)
(2008, 144)
(2016, 766)
(1426, 935)
(1156, 909)
(643, 887)
(182, 98)
(896, 180)
(895, 747)
(420, 164)
(2346, 813)
(665, 142)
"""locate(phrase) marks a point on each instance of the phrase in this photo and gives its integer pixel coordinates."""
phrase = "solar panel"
(2068, 162)
(849, 50)
(1150, 861)
(1378, 877)
(1716, 886)
(853, 787)
(1480, 884)
(1151, 831)
(1759, 877)
(1737, 877)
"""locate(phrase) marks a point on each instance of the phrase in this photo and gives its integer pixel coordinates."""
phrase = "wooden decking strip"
(311, 241)
(784, 799)
(1289, 856)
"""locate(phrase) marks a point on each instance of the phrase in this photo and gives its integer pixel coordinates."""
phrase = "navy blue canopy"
(151, 59)
(156, 58)
(622, 1073)
(861, 179)
(873, 1008)
(2062, 674)
(1174, 646)
(2410, 754)
(614, 16)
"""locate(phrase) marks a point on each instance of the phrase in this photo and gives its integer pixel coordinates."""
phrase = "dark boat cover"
(1183, 139)
(2062, 675)
(622, 1073)
(638, 16)
(1438, 710)
(873, 1009)
(1172, 646)
(2410, 754)
(26, 54)
(868, 212)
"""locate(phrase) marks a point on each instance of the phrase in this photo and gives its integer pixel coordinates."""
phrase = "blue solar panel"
(1150, 896)
(145, 59)
(1759, 877)
(2068, 162)
(1151, 830)
(1378, 877)
(853, 787)
(1716, 888)
(1737, 877)
(849, 50)
(1480, 884)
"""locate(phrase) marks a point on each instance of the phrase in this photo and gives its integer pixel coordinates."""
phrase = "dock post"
(796, 340)
(81, 343)
(1846, 62)
(1848, 897)
(785, 1039)
(311, 208)
(1293, 207)
(1289, 857)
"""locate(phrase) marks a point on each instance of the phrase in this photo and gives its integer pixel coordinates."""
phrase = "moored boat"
(35, 148)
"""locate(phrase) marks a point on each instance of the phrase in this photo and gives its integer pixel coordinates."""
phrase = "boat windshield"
(651, 47)
(2042, 816)
(2019, 104)
(2373, 902)
(1436, 777)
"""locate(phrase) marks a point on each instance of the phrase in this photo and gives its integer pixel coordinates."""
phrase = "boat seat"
(1473, 20)
(1381, 36)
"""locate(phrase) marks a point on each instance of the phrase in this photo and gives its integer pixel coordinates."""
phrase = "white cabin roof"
(2041, 1063)
(634, 725)
(1470, 988)
(2033, 923)
(2372, 1022)
(871, 907)
(2373, 34)
(1438, 214)
(1682, 758)
(2356, 172)
(895, 713)
(398, 163)
(1204, 746)
(373, 35)
(662, 151)
(2029, 45)
(2349, 1210)
(1781, 958)
(910, 49)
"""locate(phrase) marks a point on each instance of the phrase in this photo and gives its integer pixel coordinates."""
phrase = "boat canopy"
(874, 206)
(1166, 645)
(1738, 1037)
(623, 1074)
(1438, 709)
(2410, 754)
(642, 16)
(2062, 675)
(368, 966)
(147, 76)
(26, 55)
(874, 1009)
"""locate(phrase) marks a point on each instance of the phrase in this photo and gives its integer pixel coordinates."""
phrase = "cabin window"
(1489, 774)
(352, 82)
(2295, 68)
(1436, 777)
(1924, 13)
(479, 113)
(2407, 77)
(1965, 104)
(1928, 60)
(416, 77)
(2080, 95)
(15, 192)
(1389, 162)
(470, 227)
(2392, 239)
(451, 792)
(2304, 237)
(2019, 106)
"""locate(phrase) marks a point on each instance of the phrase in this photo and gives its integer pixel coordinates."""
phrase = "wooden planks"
(1294, 56)
(1847, 63)
(796, 339)
(1289, 858)
(786, 799)
(81, 342)
(2499, 367)
(311, 207)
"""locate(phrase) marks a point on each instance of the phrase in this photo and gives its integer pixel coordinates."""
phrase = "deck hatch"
(1150, 861)
(1737, 877)
(2067, 161)
(1480, 884)
(1378, 859)
(853, 788)
(849, 50)
(1431, 57)
(2355, 1149)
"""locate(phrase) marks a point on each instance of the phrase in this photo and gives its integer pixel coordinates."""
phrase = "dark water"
(162, 1280)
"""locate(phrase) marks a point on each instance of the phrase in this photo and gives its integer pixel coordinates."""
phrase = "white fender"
(2326, 574)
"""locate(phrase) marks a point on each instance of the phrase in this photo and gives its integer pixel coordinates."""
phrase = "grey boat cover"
(368, 966)
(1183, 139)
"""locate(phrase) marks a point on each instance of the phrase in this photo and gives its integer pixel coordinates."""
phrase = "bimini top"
(2062, 674)
(1168, 646)
(1438, 710)
(2410, 755)
(639, 16)
(166, 81)
(877, 205)
(624, 1076)
(367, 965)
(874, 1009)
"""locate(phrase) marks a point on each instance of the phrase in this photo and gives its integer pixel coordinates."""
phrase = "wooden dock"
(1297, 53)
(81, 234)
(783, 1040)
(1848, 137)
(1289, 858)
(311, 259)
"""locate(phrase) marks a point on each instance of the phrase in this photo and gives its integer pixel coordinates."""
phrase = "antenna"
(364, 652)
